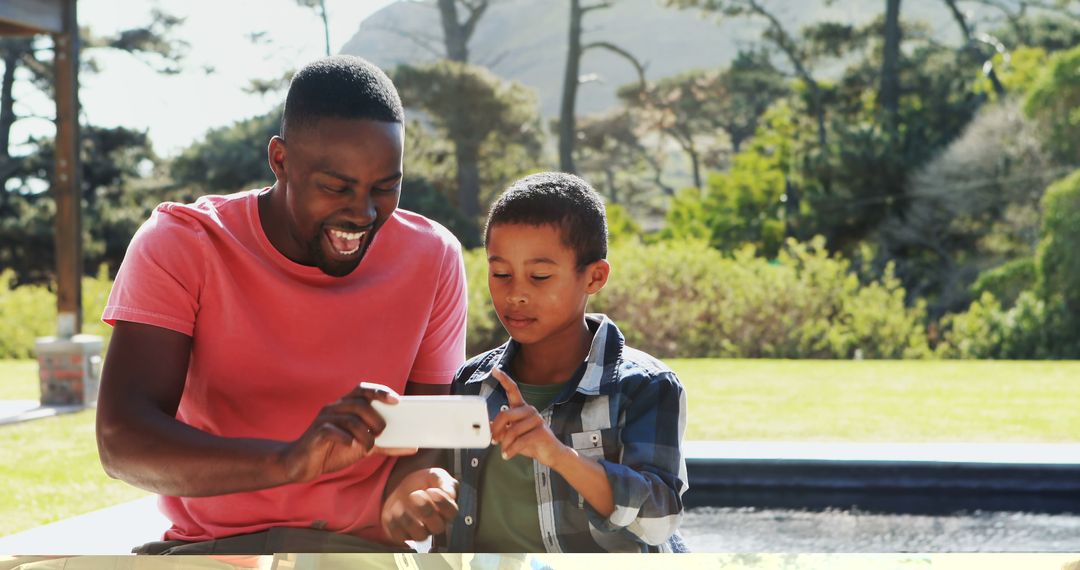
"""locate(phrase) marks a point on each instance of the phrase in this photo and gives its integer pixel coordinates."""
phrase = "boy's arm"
(650, 479)
(521, 429)
(642, 494)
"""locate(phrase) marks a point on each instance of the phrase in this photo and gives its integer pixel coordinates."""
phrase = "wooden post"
(67, 184)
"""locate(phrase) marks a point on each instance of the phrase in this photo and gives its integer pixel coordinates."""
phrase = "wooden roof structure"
(58, 19)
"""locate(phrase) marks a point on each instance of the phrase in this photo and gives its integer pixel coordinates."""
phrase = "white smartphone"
(442, 422)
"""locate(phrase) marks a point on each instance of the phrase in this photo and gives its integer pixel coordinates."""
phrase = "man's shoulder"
(424, 231)
(204, 215)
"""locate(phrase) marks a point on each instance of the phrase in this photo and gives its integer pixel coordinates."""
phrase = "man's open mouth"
(345, 244)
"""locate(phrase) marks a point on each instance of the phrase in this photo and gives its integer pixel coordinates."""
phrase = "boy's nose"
(517, 297)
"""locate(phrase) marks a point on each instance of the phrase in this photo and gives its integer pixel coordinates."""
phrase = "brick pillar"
(69, 369)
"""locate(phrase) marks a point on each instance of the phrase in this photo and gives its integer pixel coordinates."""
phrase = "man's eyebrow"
(338, 175)
(392, 178)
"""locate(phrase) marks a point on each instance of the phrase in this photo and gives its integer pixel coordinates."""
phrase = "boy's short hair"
(558, 199)
(341, 86)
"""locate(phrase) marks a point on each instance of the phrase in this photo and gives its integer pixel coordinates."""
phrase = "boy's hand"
(420, 506)
(521, 428)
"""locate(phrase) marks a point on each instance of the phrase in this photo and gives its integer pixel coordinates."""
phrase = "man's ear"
(275, 155)
(597, 275)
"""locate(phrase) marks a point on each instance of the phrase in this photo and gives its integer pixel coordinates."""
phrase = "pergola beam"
(29, 17)
(67, 184)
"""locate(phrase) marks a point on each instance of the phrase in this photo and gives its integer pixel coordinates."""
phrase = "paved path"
(15, 411)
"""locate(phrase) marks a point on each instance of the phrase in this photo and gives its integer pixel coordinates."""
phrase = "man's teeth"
(347, 235)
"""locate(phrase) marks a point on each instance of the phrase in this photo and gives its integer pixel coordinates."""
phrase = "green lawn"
(829, 400)
(51, 471)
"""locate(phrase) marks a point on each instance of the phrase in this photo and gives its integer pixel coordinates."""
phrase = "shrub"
(1006, 282)
(484, 331)
(1031, 328)
(686, 299)
(1058, 257)
(1054, 101)
(29, 311)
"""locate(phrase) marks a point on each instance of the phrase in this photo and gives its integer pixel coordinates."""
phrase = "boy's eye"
(540, 277)
(500, 275)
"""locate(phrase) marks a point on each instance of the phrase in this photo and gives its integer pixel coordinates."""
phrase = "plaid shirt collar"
(600, 370)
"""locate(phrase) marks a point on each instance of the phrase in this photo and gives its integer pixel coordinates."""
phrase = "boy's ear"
(597, 275)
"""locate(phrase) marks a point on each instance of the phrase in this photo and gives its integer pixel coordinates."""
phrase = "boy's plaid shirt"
(629, 412)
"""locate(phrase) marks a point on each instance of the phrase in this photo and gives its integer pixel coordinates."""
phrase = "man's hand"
(420, 506)
(522, 430)
(342, 433)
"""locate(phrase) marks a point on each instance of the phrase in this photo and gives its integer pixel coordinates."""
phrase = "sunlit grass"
(986, 401)
(50, 468)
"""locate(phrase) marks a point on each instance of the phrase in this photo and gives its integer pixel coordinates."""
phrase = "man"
(245, 325)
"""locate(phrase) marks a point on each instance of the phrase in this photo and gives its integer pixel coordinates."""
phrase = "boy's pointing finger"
(513, 395)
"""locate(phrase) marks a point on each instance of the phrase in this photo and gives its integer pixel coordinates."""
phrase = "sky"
(177, 110)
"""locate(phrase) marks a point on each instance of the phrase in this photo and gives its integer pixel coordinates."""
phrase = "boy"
(588, 431)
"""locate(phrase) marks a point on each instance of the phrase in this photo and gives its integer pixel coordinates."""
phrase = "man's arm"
(140, 441)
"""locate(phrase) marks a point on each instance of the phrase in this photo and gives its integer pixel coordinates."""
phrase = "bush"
(1054, 101)
(685, 299)
(1030, 329)
(484, 331)
(1006, 282)
(29, 311)
(1058, 255)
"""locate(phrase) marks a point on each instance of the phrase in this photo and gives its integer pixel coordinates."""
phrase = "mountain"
(525, 40)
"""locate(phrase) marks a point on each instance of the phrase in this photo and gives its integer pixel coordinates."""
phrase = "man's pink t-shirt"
(274, 341)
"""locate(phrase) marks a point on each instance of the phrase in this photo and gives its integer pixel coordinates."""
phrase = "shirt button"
(503, 408)
(474, 462)
(468, 520)
(595, 437)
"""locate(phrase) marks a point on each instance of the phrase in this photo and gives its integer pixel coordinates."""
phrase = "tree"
(497, 113)
(457, 33)
(747, 204)
(320, 8)
(111, 157)
(1054, 102)
(1051, 25)
(889, 93)
(572, 78)
(973, 45)
(683, 108)
(694, 107)
(627, 172)
(229, 159)
(776, 34)
(973, 206)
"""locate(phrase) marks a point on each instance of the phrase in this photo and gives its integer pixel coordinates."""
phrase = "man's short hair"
(340, 86)
(561, 200)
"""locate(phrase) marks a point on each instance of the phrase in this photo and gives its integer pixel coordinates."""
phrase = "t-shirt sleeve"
(161, 277)
(442, 350)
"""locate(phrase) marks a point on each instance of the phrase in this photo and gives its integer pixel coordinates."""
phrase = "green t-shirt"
(508, 519)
